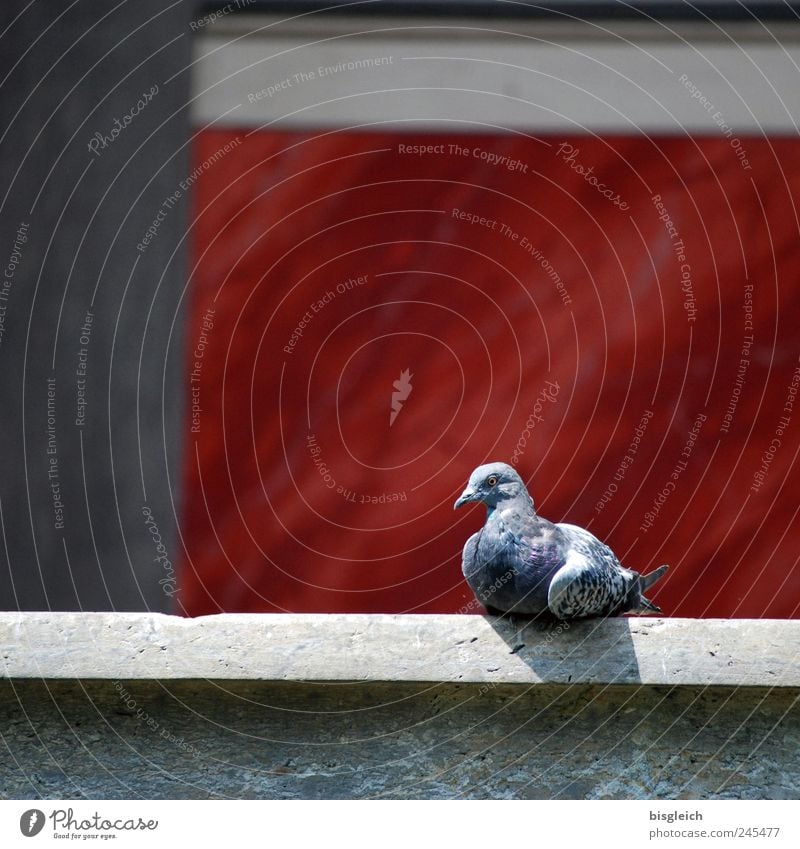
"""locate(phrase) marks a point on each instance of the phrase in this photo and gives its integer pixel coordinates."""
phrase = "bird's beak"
(469, 494)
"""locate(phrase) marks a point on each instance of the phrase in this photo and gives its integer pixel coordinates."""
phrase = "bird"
(521, 563)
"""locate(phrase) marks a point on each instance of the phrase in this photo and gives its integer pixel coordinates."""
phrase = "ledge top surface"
(400, 648)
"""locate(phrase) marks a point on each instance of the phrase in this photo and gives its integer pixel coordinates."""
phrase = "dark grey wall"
(259, 740)
(70, 224)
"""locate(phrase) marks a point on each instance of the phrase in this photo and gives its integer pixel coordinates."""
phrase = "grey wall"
(70, 74)
(198, 740)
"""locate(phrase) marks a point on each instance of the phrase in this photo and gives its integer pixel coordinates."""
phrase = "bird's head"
(493, 484)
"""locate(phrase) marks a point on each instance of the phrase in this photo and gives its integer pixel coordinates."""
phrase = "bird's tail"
(647, 581)
(644, 582)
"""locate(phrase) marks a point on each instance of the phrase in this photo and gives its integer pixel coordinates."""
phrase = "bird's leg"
(502, 614)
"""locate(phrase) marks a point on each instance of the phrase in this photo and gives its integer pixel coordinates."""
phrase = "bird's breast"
(510, 571)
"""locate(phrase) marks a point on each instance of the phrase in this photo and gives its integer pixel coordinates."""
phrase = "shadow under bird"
(520, 563)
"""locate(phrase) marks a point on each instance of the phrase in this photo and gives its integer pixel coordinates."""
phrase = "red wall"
(482, 326)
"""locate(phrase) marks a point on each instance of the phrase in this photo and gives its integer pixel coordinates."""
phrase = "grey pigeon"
(523, 564)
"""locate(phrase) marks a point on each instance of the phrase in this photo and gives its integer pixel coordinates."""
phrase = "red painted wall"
(579, 309)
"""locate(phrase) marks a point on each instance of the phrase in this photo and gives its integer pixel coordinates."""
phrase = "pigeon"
(520, 563)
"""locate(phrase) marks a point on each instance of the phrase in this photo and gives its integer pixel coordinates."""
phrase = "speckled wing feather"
(592, 582)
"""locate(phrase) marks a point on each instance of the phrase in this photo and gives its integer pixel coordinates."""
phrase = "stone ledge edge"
(413, 648)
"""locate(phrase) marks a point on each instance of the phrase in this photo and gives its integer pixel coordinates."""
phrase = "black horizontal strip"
(659, 10)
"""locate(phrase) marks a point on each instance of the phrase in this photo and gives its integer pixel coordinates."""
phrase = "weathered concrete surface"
(331, 647)
(183, 739)
(135, 705)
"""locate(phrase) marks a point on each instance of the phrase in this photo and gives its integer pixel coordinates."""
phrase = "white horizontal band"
(449, 74)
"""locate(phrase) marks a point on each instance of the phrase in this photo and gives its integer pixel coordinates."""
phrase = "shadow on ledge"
(586, 650)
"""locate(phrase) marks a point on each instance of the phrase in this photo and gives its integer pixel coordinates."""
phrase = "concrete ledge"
(121, 705)
(388, 648)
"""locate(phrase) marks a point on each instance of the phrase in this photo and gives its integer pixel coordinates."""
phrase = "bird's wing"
(591, 582)
(468, 555)
(588, 544)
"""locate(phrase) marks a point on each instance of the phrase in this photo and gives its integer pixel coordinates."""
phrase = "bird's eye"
(492, 481)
